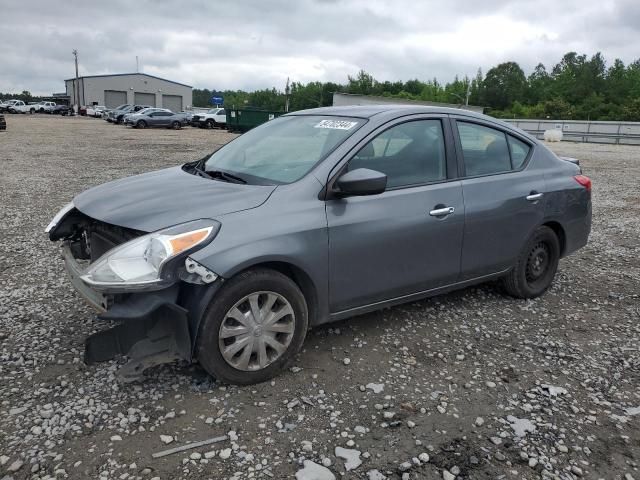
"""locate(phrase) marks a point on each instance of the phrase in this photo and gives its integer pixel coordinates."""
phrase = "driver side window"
(411, 153)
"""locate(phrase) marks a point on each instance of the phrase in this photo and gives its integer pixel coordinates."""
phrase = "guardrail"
(617, 133)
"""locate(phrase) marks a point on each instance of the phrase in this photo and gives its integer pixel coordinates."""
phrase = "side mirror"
(360, 181)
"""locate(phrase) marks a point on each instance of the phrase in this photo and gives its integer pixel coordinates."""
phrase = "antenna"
(137, 65)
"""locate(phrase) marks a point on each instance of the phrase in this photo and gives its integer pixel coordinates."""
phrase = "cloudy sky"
(249, 44)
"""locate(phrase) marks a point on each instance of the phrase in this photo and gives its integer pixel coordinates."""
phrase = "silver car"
(313, 217)
(156, 118)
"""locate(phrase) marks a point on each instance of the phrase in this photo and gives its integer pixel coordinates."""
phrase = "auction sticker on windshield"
(336, 124)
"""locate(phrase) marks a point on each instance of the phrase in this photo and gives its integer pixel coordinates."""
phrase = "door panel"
(389, 245)
(498, 217)
(498, 220)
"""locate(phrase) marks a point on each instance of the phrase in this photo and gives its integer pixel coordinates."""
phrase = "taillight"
(584, 181)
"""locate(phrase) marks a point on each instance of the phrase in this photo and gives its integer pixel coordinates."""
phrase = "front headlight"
(139, 262)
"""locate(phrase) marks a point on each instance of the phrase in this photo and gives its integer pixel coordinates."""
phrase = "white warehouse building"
(133, 88)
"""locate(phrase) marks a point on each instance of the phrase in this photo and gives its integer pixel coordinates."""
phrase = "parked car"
(156, 117)
(216, 117)
(313, 217)
(113, 113)
(118, 115)
(62, 110)
(142, 112)
(95, 111)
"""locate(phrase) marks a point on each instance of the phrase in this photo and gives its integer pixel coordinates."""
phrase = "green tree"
(503, 85)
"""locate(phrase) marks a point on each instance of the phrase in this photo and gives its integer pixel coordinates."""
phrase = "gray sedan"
(158, 118)
(313, 217)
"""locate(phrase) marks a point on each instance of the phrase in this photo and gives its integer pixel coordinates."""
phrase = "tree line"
(577, 88)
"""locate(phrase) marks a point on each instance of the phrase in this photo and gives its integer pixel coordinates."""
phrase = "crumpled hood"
(164, 198)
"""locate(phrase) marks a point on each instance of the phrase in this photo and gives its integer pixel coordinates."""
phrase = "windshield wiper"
(229, 177)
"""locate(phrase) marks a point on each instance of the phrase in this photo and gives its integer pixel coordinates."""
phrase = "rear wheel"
(176, 125)
(253, 327)
(536, 266)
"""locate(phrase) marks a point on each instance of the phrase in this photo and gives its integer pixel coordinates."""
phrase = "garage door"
(172, 102)
(114, 98)
(144, 99)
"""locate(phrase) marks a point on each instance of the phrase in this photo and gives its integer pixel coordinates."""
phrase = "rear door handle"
(534, 196)
(441, 212)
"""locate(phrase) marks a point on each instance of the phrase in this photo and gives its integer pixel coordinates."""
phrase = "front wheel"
(141, 124)
(253, 327)
(536, 265)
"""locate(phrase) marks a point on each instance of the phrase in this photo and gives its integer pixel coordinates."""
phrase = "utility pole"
(466, 100)
(286, 93)
(76, 85)
(137, 65)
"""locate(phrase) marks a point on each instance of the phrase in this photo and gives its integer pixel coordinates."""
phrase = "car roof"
(400, 110)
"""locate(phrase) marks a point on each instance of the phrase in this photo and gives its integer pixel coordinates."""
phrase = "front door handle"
(534, 196)
(442, 212)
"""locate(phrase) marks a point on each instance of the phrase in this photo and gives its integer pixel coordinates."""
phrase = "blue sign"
(216, 100)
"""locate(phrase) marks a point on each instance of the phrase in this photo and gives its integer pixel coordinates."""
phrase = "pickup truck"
(216, 117)
(45, 107)
(20, 107)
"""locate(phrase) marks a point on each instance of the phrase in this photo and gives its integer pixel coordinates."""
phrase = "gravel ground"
(471, 384)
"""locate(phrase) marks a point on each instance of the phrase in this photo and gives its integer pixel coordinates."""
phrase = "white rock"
(521, 425)
(15, 466)
(375, 387)
(404, 466)
(313, 471)
(116, 438)
(210, 454)
(195, 456)
(351, 457)
(375, 475)
(360, 429)
(3, 460)
(479, 421)
(346, 361)
(166, 439)
(533, 462)
(446, 475)
(410, 424)
(553, 391)
(633, 411)
(490, 385)
(225, 453)
(326, 461)
(423, 457)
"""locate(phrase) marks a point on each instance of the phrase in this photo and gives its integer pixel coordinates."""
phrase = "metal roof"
(126, 74)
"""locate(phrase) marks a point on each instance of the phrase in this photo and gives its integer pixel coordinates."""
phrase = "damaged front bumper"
(154, 327)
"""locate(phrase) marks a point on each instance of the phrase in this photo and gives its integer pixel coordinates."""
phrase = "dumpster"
(241, 120)
(3, 123)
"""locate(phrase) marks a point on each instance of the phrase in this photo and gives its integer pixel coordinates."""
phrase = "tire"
(141, 124)
(176, 125)
(536, 266)
(211, 124)
(263, 285)
(32, 111)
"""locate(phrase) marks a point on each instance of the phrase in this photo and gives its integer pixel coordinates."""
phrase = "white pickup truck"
(20, 107)
(45, 107)
(216, 117)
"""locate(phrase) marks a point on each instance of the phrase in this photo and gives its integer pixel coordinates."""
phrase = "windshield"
(283, 150)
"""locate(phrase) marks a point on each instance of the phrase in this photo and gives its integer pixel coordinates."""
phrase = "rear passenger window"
(484, 149)
(411, 153)
(519, 152)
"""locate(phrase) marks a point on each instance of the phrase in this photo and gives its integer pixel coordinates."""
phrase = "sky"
(254, 44)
